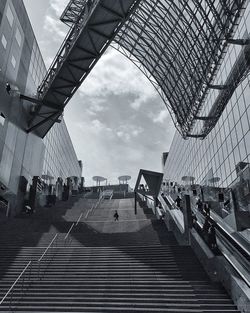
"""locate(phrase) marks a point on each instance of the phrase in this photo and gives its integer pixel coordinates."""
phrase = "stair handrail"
(94, 206)
(44, 254)
(29, 264)
(15, 282)
(233, 241)
(79, 218)
(69, 231)
(245, 279)
(67, 235)
(71, 227)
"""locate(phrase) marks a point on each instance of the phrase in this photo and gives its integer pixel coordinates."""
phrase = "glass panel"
(4, 41)
(18, 37)
(10, 16)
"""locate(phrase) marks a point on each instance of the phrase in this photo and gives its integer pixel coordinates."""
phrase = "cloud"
(53, 26)
(161, 116)
(117, 121)
(128, 132)
(114, 75)
(58, 6)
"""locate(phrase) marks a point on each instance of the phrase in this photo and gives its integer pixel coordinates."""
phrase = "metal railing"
(67, 239)
(37, 269)
(94, 206)
(47, 256)
(24, 279)
(228, 243)
(33, 269)
(232, 250)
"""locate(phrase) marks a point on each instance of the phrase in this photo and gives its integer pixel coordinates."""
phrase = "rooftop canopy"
(178, 45)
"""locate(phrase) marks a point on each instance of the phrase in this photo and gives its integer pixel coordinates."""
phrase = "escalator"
(233, 247)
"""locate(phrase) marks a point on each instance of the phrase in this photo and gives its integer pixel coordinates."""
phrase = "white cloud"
(114, 74)
(161, 116)
(109, 120)
(54, 26)
(127, 132)
(58, 6)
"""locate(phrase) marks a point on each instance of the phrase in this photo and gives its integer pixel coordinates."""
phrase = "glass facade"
(24, 156)
(229, 141)
(58, 143)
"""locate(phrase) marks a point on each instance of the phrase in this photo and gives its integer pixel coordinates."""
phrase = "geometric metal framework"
(179, 46)
(153, 181)
(93, 25)
(238, 73)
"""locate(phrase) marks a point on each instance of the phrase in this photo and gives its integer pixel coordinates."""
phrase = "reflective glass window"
(13, 61)
(18, 37)
(9, 16)
(4, 41)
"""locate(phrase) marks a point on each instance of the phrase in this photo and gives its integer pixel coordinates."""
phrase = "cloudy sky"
(117, 122)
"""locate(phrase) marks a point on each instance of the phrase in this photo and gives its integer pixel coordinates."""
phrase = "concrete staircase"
(134, 265)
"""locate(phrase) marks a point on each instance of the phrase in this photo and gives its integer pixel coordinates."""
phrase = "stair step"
(121, 272)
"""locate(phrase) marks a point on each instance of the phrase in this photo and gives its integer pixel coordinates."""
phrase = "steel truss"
(179, 46)
(238, 73)
(94, 24)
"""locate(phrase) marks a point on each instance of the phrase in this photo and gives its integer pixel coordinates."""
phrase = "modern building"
(221, 159)
(31, 168)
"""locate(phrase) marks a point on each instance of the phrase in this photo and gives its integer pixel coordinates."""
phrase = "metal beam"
(179, 46)
(42, 122)
(218, 87)
(94, 26)
(241, 42)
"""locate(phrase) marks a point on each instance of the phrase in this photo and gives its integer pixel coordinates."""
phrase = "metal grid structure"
(94, 24)
(179, 46)
(238, 73)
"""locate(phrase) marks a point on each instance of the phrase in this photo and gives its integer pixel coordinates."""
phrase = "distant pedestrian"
(116, 216)
(178, 202)
(206, 209)
(194, 220)
(205, 228)
(199, 205)
(8, 88)
(212, 237)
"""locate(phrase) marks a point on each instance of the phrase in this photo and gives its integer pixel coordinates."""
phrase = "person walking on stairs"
(116, 216)
(178, 202)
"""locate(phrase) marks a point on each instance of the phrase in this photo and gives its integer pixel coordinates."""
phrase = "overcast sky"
(117, 122)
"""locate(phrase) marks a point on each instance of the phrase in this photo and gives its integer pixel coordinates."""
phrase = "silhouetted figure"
(194, 220)
(212, 237)
(206, 227)
(227, 205)
(206, 209)
(199, 205)
(8, 88)
(116, 216)
(178, 202)
(160, 212)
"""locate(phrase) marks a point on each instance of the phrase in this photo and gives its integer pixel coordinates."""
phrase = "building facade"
(219, 163)
(229, 142)
(26, 159)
